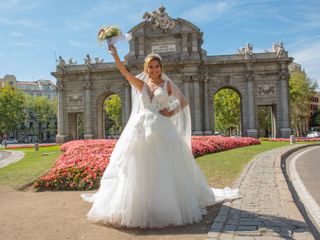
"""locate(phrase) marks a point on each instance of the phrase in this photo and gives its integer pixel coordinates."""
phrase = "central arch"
(227, 106)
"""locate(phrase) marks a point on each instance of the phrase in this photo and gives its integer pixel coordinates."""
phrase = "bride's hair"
(149, 58)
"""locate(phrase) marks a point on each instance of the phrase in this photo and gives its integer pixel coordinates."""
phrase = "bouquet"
(112, 35)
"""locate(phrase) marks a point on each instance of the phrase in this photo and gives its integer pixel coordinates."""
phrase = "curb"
(290, 209)
(14, 157)
(308, 214)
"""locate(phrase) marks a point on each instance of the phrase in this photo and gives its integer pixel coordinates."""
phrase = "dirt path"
(62, 215)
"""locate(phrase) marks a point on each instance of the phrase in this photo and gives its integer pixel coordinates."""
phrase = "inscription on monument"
(163, 46)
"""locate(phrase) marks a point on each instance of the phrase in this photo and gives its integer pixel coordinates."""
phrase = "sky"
(33, 33)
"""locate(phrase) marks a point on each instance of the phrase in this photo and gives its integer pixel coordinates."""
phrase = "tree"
(315, 119)
(113, 110)
(43, 111)
(11, 108)
(227, 112)
(301, 89)
(264, 117)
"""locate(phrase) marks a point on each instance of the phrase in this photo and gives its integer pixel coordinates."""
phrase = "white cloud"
(208, 12)
(78, 25)
(16, 34)
(75, 43)
(106, 9)
(312, 22)
(309, 57)
(21, 44)
(21, 22)
(15, 6)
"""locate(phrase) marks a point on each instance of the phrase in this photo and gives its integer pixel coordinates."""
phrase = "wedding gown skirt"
(153, 180)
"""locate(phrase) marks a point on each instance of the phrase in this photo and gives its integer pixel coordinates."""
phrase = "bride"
(152, 180)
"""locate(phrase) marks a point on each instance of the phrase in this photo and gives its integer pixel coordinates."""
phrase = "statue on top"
(159, 19)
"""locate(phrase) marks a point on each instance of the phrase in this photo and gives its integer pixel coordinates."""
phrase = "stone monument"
(260, 79)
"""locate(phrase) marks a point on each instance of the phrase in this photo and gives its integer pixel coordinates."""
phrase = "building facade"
(27, 130)
(308, 124)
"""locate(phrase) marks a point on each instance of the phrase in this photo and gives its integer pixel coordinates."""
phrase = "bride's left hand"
(165, 113)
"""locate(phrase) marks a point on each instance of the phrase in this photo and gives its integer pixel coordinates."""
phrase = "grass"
(223, 168)
(33, 165)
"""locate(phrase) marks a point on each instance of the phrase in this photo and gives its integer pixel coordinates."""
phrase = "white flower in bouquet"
(112, 35)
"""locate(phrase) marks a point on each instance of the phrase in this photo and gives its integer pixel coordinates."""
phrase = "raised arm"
(137, 83)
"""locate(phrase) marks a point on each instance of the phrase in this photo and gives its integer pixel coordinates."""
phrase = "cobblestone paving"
(266, 209)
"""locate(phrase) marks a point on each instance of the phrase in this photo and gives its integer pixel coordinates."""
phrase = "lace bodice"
(156, 100)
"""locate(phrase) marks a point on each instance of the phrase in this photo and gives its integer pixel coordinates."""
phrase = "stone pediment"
(177, 39)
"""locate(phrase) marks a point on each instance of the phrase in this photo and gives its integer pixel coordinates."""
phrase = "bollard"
(36, 146)
(292, 139)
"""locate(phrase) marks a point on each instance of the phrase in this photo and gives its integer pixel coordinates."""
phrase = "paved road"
(7, 157)
(308, 167)
(4, 155)
(304, 167)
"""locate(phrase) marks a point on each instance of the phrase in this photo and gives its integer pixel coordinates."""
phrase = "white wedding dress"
(152, 179)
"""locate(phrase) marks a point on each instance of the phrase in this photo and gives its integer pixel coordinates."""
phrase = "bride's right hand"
(112, 49)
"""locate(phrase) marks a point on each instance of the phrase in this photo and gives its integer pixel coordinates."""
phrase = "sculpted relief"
(159, 19)
(266, 89)
(75, 98)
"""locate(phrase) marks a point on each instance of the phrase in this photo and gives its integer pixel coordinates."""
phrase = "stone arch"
(217, 84)
(100, 114)
(215, 91)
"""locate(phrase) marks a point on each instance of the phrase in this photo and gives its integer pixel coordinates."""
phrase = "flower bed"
(83, 162)
(210, 144)
(80, 167)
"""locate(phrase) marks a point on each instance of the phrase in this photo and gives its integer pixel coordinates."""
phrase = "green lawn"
(33, 165)
(221, 169)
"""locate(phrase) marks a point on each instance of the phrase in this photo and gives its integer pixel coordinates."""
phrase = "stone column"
(184, 45)
(61, 137)
(87, 110)
(127, 104)
(186, 88)
(285, 130)
(194, 42)
(197, 107)
(186, 91)
(251, 117)
(141, 48)
(206, 116)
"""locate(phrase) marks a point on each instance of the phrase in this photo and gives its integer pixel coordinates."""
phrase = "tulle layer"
(153, 182)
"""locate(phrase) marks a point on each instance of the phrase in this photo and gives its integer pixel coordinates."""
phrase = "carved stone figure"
(97, 60)
(87, 61)
(71, 62)
(278, 48)
(246, 50)
(61, 64)
(159, 19)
